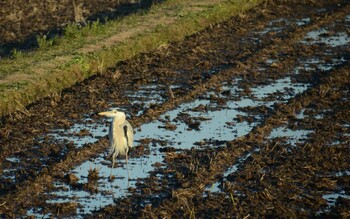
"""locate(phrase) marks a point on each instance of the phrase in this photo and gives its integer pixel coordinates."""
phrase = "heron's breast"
(119, 144)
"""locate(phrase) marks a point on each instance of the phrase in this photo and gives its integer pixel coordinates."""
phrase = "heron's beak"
(107, 113)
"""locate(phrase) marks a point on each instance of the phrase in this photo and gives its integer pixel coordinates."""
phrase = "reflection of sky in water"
(311, 64)
(321, 36)
(343, 173)
(79, 141)
(107, 190)
(215, 128)
(294, 136)
(285, 84)
(282, 23)
(303, 21)
(146, 95)
(280, 85)
(332, 198)
(347, 18)
(262, 92)
(9, 173)
(215, 187)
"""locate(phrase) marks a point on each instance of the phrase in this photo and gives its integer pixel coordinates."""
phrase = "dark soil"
(22, 22)
(278, 179)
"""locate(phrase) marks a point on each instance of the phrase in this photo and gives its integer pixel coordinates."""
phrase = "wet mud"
(248, 118)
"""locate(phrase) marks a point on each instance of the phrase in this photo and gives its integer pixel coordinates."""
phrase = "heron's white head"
(115, 114)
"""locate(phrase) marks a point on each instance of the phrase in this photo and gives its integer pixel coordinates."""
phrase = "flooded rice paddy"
(248, 118)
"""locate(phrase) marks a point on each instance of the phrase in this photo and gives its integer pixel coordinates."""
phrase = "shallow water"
(323, 36)
(216, 187)
(214, 128)
(329, 37)
(332, 198)
(285, 84)
(95, 131)
(218, 124)
(293, 136)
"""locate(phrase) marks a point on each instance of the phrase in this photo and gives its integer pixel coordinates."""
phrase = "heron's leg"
(126, 158)
(127, 165)
(113, 161)
(114, 156)
(126, 155)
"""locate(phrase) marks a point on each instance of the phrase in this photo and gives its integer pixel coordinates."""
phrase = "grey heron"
(121, 135)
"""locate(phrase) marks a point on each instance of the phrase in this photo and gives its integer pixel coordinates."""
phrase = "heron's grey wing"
(129, 133)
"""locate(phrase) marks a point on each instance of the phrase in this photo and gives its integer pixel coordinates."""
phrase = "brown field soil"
(22, 19)
(278, 178)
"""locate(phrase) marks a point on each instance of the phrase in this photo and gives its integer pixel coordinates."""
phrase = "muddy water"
(279, 89)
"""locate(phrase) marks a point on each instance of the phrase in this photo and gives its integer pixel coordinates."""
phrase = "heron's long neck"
(118, 121)
(115, 125)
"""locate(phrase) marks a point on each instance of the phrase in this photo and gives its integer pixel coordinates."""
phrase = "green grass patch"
(60, 62)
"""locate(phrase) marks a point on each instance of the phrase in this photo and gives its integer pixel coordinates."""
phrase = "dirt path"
(229, 63)
(22, 20)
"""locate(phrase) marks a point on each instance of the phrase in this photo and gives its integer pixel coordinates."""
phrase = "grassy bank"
(61, 62)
